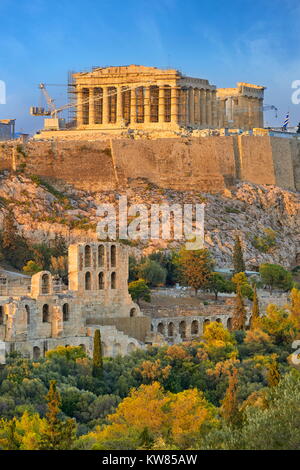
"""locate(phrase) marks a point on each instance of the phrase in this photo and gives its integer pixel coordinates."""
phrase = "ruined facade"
(7, 129)
(40, 313)
(112, 98)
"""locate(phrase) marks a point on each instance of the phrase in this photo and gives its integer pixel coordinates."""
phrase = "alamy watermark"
(181, 222)
(296, 93)
(2, 92)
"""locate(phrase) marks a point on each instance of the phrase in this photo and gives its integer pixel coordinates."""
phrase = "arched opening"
(101, 255)
(229, 324)
(36, 353)
(133, 312)
(27, 314)
(116, 349)
(45, 313)
(113, 256)
(113, 280)
(206, 322)
(66, 312)
(87, 256)
(88, 281)
(195, 327)
(45, 284)
(161, 328)
(101, 280)
(218, 320)
(182, 329)
(131, 347)
(171, 329)
(1, 315)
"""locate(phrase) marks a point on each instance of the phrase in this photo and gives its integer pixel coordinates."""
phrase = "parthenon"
(142, 97)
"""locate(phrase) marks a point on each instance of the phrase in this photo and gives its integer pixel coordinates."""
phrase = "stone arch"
(45, 283)
(171, 329)
(101, 280)
(87, 256)
(131, 347)
(133, 312)
(182, 329)
(46, 315)
(195, 327)
(161, 328)
(205, 324)
(113, 280)
(101, 255)
(27, 314)
(229, 324)
(66, 312)
(36, 353)
(113, 256)
(88, 281)
(1, 315)
(116, 349)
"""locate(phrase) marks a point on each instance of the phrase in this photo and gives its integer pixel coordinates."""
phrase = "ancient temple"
(139, 97)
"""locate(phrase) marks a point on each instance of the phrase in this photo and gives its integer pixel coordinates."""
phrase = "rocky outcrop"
(248, 210)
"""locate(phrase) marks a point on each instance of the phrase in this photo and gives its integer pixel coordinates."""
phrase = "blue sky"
(225, 42)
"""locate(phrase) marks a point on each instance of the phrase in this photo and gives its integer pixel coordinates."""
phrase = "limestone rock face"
(248, 210)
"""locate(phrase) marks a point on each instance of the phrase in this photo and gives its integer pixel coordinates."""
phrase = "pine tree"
(230, 409)
(273, 374)
(238, 259)
(239, 315)
(255, 309)
(97, 355)
(57, 435)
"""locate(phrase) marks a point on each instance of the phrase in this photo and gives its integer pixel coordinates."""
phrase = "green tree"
(239, 314)
(139, 290)
(240, 280)
(152, 272)
(196, 267)
(97, 355)
(237, 258)
(217, 283)
(168, 261)
(31, 267)
(57, 434)
(275, 276)
(14, 247)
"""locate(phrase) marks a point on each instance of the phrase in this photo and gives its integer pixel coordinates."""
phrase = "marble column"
(105, 118)
(119, 104)
(174, 104)
(203, 108)
(191, 106)
(214, 109)
(161, 104)
(208, 108)
(133, 105)
(91, 107)
(147, 104)
(197, 106)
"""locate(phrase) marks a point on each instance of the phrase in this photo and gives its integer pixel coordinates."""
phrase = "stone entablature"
(51, 314)
(150, 98)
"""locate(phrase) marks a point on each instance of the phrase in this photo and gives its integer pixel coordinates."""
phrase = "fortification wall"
(207, 164)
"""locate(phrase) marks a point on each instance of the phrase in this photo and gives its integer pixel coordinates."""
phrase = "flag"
(286, 121)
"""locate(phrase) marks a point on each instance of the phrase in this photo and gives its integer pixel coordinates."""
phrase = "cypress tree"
(255, 309)
(273, 375)
(57, 435)
(238, 259)
(239, 314)
(97, 355)
(230, 409)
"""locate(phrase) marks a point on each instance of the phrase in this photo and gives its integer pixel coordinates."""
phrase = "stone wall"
(206, 164)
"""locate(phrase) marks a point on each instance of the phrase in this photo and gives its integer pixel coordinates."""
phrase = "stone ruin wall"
(206, 164)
